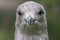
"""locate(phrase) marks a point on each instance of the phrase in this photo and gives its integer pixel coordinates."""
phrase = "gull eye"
(20, 13)
(41, 12)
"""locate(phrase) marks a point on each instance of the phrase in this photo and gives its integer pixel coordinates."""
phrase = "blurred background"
(8, 14)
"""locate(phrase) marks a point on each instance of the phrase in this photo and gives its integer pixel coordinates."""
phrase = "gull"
(31, 22)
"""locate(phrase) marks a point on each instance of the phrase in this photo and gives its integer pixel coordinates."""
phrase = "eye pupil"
(19, 13)
(41, 12)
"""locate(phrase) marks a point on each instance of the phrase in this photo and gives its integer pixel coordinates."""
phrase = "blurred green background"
(7, 17)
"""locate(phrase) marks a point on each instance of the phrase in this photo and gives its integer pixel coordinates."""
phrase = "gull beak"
(29, 20)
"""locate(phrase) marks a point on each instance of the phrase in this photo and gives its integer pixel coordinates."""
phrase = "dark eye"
(41, 12)
(20, 13)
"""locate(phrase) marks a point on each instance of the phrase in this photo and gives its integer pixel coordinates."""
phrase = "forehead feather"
(30, 6)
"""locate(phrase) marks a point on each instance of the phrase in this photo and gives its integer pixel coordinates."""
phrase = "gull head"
(29, 15)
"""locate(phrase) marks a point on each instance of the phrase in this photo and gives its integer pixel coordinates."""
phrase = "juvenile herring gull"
(31, 22)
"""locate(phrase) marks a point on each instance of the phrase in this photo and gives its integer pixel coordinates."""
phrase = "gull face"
(30, 13)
